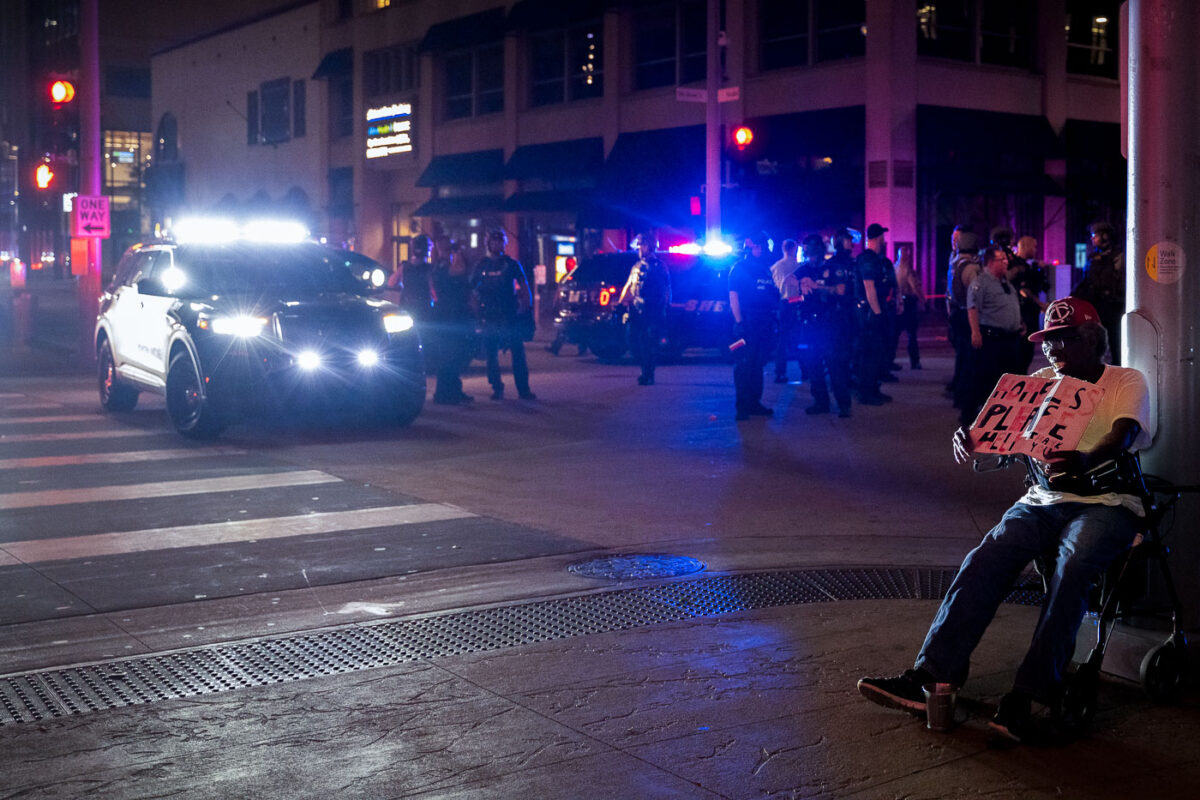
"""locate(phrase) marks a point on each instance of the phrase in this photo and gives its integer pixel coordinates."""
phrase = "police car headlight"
(243, 327)
(378, 277)
(397, 323)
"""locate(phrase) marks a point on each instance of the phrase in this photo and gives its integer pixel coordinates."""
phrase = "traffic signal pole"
(712, 126)
(90, 183)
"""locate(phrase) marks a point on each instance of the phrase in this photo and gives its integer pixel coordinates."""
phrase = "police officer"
(452, 326)
(417, 294)
(648, 292)
(1103, 284)
(873, 269)
(823, 286)
(753, 300)
(500, 293)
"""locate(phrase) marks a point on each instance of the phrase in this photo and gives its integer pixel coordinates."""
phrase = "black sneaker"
(817, 408)
(528, 396)
(762, 411)
(903, 691)
(498, 394)
(1013, 718)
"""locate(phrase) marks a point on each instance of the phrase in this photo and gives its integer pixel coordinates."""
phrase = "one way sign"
(90, 217)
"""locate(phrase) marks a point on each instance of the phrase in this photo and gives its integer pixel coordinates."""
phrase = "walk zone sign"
(89, 217)
(1033, 416)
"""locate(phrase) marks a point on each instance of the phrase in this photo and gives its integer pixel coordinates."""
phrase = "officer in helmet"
(753, 300)
(648, 292)
(501, 294)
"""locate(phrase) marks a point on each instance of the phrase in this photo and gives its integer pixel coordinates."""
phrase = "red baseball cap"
(1070, 312)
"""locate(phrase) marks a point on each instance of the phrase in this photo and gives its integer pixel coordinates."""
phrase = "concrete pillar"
(891, 113)
(1052, 61)
(1162, 293)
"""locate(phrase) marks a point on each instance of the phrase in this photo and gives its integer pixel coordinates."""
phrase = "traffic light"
(61, 92)
(742, 137)
(43, 176)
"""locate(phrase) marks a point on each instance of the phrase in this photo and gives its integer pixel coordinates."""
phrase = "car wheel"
(406, 406)
(190, 411)
(115, 395)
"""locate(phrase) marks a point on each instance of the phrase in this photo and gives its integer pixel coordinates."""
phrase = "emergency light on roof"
(715, 248)
(220, 230)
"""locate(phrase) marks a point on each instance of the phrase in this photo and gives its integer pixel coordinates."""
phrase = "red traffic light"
(742, 136)
(43, 176)
(62, 92)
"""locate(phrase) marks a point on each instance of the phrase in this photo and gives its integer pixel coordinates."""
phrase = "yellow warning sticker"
(1165, 262)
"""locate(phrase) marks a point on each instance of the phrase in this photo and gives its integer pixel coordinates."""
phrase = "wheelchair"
(1119, 592)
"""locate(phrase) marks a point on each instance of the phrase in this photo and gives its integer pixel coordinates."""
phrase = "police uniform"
(452, 332)
(873, 332)
(825, 320)
(493, 286)
(651, 297)
(758, 298)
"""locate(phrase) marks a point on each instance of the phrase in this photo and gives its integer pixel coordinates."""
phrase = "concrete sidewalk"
(752, 703)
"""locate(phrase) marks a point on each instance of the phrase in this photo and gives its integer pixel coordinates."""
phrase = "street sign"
(727, 95)
(90, 217)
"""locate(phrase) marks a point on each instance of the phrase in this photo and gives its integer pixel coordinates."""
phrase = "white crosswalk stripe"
(53, 497)
(5, 438)
(117, 458)
(42, 420)
(66, 548)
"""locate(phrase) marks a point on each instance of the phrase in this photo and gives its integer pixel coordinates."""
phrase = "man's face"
(813, 252)
(646, 246)
(495, 245)
(1027, 249)
(755, 249)
(998, 263)
(1070, 352)
(1101, 240)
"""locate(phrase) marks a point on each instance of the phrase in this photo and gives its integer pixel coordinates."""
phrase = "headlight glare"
(397, 323)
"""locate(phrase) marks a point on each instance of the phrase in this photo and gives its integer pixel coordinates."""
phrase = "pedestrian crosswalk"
(103, 513)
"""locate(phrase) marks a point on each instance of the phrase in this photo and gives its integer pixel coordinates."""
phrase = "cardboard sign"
(1033, 416)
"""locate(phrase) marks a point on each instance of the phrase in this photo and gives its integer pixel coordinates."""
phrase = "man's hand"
(1069, 462)
(964, 446)
(977, 339)
(807, 285)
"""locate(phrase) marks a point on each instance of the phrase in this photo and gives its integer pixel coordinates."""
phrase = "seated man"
(1058, 518)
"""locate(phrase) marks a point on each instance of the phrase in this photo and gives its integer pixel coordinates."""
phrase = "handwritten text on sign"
(1033, 416)
(90, 217)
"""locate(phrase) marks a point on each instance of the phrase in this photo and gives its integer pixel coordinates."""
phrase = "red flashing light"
(43, 176)
(62, 92)
(742, 136)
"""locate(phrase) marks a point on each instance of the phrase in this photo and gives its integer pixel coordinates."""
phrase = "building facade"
(570, 123)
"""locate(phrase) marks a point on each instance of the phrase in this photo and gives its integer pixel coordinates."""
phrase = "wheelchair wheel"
(1164, 670)
(1077, 709)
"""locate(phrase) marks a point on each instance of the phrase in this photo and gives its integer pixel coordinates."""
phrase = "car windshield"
(286, 271)
(607, 268)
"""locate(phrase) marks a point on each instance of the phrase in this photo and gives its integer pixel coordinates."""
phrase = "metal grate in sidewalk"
(47, 694)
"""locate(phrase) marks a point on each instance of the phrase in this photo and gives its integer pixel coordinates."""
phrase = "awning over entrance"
(335, 64)
(651, 176)
(985, 152)
(573, 160)
(469, 31)
(475, 167)
(460, 206)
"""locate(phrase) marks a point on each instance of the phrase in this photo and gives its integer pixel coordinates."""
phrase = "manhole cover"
(634, 566)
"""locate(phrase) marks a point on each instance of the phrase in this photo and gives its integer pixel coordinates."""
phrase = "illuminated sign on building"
(389, 130)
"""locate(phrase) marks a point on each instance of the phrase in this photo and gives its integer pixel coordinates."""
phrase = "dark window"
(390, 70)
(341, 106)
(670, 45)
(252, 118)
(1007, 32)
(166, 139)
(127, 81)
(841, 29)
(474, 82)
(566, 64)
(341, 192)
(654, 48)
(299, 110)
(944, 29)
(784, 33)
(1092, 37)
(275, 105)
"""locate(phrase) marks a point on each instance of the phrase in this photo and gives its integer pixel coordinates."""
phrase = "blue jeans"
(1082, 539)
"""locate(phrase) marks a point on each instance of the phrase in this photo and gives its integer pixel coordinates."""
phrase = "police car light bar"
(220, 230)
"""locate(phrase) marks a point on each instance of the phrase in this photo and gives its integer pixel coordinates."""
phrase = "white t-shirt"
(1126, 396)
(783, 272)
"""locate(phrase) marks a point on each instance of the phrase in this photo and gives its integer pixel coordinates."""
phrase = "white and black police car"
(229, 320)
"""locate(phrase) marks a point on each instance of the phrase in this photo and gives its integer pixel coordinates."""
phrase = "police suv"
(587, 312)
(241, 326)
